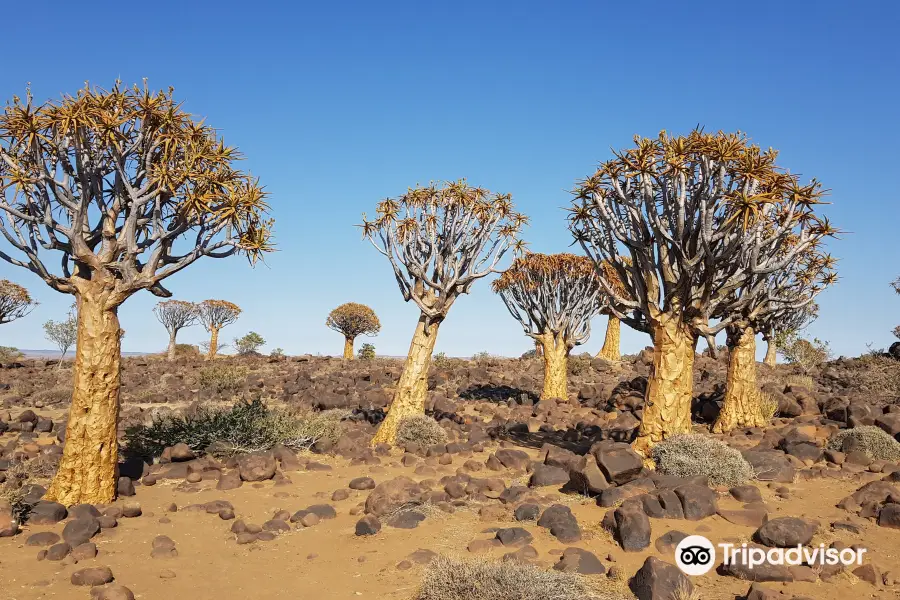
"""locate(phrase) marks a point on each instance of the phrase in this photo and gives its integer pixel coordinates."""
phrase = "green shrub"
(692, 454)
(10, 354)
(875, 442)
(482, 357)
(245, 427)
(277, 353)
(249, 344)
(479, 579)
(579, 364)
(222, 378)
(805, 353)
(420, 429)
(366, 352)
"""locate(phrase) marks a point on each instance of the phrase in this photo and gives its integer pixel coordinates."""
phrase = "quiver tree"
(128, 189)
(214, 315)
(439, 241)
(352, 320)
(759, 301)
(62, 333)
(15, 302)
(175, 315)
(780, 325)
(554, 297)
(691, 214)
(612, 341)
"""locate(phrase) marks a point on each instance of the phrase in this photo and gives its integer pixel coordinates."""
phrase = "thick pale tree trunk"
(667, 403)
(171, 352)
(610, 350)
(87, 470)
(409, 399)
(741, 405)
(556, 365)
(771, 351)
(348, 348)
(213, 343)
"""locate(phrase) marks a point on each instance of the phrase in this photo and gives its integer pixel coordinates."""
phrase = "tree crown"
(249, 344)
(113, 179)
(15, 301)
(176, 314)
(556, 293)
(215, 314)
(441, 239)
(696, 215)
(352, 319)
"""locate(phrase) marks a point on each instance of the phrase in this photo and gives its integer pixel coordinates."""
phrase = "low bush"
(10, 354)
(768, 406)
(421, 430)
(533, 353)
(692, 454)
(366, 352)
(873, 441)
(19, 476)
(454, 579)
(245, 427)
(223, 378)
(579, 364)
(805, 353)
(804, 381)
(187, 350)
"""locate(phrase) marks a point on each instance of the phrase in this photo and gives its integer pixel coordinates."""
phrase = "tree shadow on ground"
(573, 440)
(498, 393)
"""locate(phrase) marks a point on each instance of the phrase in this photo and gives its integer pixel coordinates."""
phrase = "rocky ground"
(550, 483)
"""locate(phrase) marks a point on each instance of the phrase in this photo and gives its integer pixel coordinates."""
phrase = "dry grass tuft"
(873, 441)
(420, 429)
(449, 578)
(692, 454)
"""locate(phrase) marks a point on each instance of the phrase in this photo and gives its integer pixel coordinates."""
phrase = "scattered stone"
(632, 528)
(786, 532)
(79, 531)
(111, 591)
(514, 537)
(697, 501)
(84, 551)
(576, 560)
(58, 551)
(659, 580)
(92, 576)
(368, 525)
(256, 467)
(125, 487)
(527, 512)
(667, 542)
(392, 494)
(362, 483)
(163, 547)
(47, 513)
(43, 538)
(229, 481)
(561, 523)
(547, 475)
(406, 519)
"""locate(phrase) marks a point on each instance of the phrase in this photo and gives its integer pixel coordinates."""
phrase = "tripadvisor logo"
(696, 555)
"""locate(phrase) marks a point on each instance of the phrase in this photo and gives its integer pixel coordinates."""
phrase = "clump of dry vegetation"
(873, 441)
(768, 406)
(691, 454)
(454, 579)
(223, 378)
(421, 430)
(243, 428)
(880, 373)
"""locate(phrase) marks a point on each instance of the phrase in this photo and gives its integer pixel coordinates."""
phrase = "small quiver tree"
(15, 302)
(779, 326)
(352, 320)
(684, 211)
(612, 342)
(63, 333)
(249, 344)
(554, 297)
(175, 315)
(214, 315)
(128, 189)
(439, 241)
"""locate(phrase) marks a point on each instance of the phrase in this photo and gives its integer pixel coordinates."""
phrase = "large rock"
(619, 463)
(576, 560)
(889, 516)
(256, 467)
(763, 572)
(561, 523)
(632, 527)
(79, 531)
(586, 477)
(786, 532)
(513, 459)
(659, 580)
(392, 494)
(697, 501)
(47, 513)
(770, 465)
(546, 475)
(92, 576)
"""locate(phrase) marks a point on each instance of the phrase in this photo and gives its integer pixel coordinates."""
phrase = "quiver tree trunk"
(667, 403)
(348, 348)
(771, 350)
(556, 365)
(171, 352)
(409, 399)
(87, 470)
(213, 343)
(740, 407)
(611, 343)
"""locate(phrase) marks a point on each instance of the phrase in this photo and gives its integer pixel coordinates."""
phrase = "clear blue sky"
(337, 105)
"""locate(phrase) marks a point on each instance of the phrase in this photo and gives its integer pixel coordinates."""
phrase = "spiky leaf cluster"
(353, 319)
(695, 215)
(556, 293)
(216, 314)
(15, 301)
(115, 180)
(176, 314)
(441, 239)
